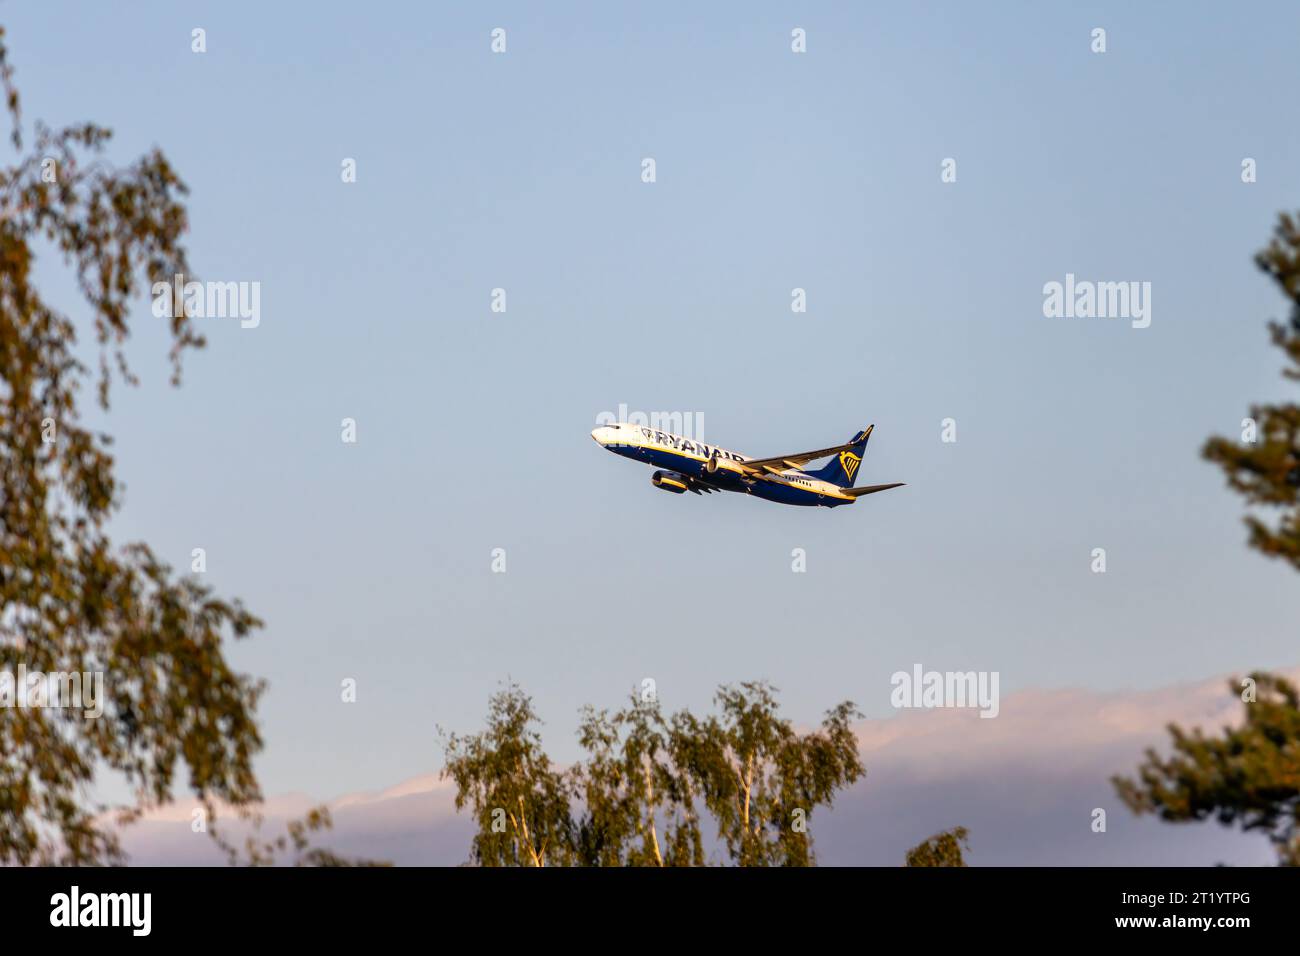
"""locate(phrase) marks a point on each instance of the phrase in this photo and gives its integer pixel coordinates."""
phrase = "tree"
(942, 849)
(630, 785)
(295, 839)
(760, 779)
(1265, 468)
(520, 802)
(1249, 776)
(71, 602)
(646, 774)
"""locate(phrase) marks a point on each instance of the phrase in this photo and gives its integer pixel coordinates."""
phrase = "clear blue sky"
(775, 170)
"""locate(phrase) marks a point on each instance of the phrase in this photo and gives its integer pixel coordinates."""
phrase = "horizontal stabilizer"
(871, 489)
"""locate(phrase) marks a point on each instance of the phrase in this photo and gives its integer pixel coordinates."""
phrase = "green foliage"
(646, 775)
(1267, 472)
(760, 779)
(1249, 775)
(296, 840)
(942, 849)
(521, 803)
(631, 784)
(69, 600)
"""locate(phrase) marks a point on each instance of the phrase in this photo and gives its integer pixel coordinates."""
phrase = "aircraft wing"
(763, 466)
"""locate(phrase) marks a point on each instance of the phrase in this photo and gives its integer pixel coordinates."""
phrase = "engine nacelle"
(723, 467)
(669, 481)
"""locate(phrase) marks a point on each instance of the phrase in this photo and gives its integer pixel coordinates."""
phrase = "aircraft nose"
(598, 433)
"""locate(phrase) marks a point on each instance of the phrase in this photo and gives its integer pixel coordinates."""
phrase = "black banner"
(206, 906)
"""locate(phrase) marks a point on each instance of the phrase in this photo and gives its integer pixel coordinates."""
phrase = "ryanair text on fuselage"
(701, 468)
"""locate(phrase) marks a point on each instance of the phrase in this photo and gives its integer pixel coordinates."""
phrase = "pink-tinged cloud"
(1025, 784)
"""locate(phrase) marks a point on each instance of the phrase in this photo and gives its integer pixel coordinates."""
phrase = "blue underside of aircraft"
(724, 481)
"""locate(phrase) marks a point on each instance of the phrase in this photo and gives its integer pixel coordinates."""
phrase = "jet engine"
(725, 466)
(669, 481)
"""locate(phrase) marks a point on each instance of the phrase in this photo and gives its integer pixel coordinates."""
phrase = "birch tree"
(760, 779)
(520, 802)
(177, 718)
(632, 789)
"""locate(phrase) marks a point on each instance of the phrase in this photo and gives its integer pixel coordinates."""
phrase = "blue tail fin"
(842, 470)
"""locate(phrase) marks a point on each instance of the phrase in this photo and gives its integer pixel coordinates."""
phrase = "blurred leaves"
(1248, 776)
(296, 840)
(176, 716)
(1266, 473)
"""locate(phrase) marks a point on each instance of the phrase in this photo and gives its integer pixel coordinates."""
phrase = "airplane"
(704, 469)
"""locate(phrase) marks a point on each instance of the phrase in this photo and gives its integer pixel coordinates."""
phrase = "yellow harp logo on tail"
(849, 462)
